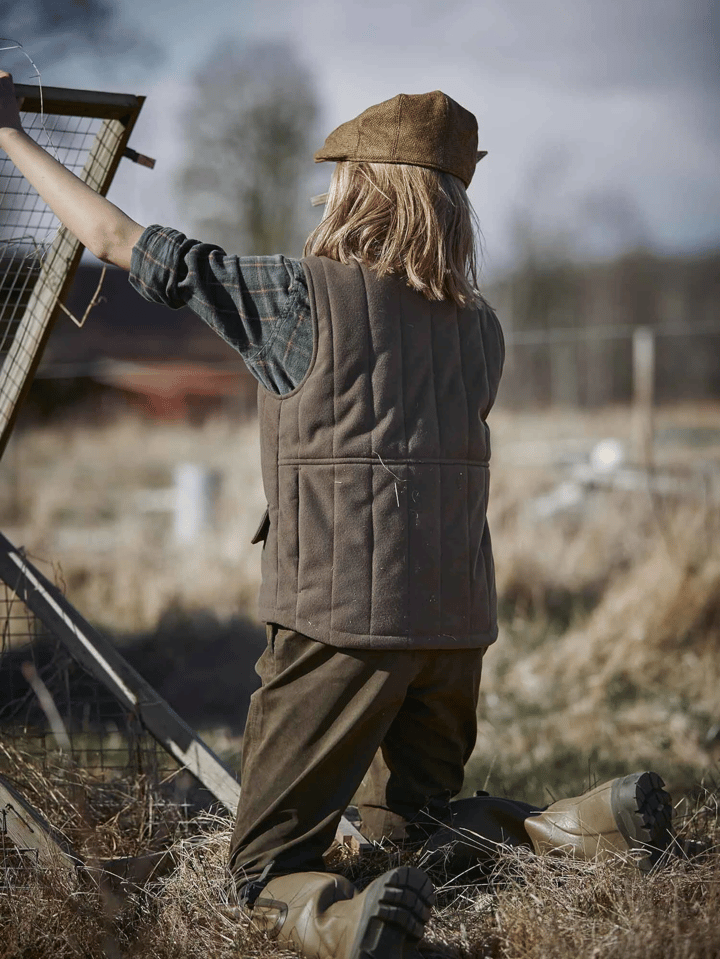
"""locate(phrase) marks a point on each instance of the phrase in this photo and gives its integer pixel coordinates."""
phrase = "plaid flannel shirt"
(259, 305)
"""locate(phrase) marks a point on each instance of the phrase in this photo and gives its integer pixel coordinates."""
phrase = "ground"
(609, 595)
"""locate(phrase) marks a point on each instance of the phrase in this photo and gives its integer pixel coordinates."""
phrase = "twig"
(47, 705)
(96, 298)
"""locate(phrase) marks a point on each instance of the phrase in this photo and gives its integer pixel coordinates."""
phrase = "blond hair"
(411, 221)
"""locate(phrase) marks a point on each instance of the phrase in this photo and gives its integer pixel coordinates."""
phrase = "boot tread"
(395, 914)
(643, 811)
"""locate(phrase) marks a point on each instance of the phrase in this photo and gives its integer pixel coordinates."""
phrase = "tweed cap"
(424, 129)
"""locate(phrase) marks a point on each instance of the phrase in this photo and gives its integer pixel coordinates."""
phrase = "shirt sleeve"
(259, 305)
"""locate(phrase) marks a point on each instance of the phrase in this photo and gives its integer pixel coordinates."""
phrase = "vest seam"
(370, 472)
(471, 578)
(312, 296)
(328, 323)
(401, 320)
(373, 461)
(441, 537)
(277, 523)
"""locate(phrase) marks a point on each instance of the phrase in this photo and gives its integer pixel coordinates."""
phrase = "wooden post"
(193, 502)
(643, 346)
(564, 385)
(30, 834)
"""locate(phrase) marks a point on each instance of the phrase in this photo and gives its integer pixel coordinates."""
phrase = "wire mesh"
(108, 759)
(37, 255)
(28, 226)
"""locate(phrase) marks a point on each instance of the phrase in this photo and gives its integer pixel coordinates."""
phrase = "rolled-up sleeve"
(241, 298)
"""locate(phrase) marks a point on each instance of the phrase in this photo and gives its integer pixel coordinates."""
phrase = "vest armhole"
(313, 358)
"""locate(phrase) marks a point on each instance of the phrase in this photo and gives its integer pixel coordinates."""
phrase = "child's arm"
(99, 225)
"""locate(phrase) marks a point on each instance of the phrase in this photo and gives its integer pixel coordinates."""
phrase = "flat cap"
(423, 129)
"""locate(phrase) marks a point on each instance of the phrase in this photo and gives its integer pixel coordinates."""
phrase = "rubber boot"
(621, 816)
(478, 829)
(325, 917)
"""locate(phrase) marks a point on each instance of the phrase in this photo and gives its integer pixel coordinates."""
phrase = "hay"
(526, 906)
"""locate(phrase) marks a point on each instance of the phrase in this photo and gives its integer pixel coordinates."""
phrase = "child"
(378, 363)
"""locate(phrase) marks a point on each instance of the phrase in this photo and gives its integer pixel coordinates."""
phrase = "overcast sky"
(600, 116)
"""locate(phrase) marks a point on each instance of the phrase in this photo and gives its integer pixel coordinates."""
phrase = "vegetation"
(607, 662)
(527, 907)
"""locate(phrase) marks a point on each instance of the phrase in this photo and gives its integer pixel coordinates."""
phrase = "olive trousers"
(313, 729)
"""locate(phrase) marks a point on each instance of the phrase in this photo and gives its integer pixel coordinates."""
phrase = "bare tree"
(248, 174)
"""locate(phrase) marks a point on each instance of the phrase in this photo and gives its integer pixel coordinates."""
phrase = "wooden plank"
(643, 365)
(59, 101)
(43, 845)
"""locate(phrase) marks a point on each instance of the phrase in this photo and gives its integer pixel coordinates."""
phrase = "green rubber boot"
(325, 917)
(628, 815)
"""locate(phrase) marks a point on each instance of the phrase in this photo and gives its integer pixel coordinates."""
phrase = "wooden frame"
(35, 302)
(30, 834)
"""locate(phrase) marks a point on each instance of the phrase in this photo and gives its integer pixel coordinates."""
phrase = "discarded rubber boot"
(632, 814)
(479, 826)
(325, 917)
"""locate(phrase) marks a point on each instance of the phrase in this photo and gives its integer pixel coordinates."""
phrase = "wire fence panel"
(75, 719)
(103, 751)
(88, 133)
(593, 367)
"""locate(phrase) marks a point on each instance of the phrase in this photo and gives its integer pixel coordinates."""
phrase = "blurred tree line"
(248, 178)
(569, 328)
(569, 312)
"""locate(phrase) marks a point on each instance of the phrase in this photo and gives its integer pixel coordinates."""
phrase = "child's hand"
(9, 106)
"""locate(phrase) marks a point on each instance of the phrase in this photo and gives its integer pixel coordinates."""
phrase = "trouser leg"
(312, 730)
(421, 764)
(406, 793)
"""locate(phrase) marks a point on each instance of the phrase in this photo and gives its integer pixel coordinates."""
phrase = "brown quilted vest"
(376, 470)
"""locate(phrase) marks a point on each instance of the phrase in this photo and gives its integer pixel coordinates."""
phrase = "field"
(608, 661)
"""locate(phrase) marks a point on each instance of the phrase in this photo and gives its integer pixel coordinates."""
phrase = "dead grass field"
(528, 908)
(608, 661)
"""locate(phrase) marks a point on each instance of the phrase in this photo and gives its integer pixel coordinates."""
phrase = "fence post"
(195, 494)
(643, 348)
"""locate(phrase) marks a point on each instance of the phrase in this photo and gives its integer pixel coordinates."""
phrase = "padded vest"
(376, 470)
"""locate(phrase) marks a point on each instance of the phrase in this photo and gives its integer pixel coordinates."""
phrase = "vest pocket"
(261, 534)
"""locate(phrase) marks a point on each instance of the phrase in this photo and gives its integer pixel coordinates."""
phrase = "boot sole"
(394, 915)
(643, 813)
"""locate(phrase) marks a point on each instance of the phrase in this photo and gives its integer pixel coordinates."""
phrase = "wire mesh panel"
(77, 721)
(59, 725)
(87, 132)
(95, 731)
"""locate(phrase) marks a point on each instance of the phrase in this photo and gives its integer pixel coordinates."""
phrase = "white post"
(193, 513)
(643, 345)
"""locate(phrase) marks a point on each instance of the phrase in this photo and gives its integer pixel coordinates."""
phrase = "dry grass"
(610, 610)
(526, 907)
(608, 661)
(76, 499)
